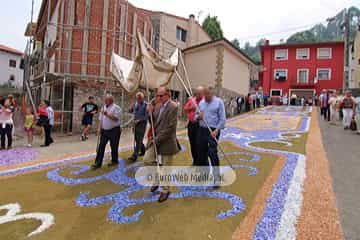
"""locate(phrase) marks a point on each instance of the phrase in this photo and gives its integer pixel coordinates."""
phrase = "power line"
(280, 31)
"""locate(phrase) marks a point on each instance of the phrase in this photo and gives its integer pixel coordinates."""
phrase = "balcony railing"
(297, 83)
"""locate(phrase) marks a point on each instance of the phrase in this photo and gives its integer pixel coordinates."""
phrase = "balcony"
(294, 83)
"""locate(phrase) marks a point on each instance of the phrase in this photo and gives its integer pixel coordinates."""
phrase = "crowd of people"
(206, 118)
(43, 120)
(206, 115)
(245, 103)
(334, 108)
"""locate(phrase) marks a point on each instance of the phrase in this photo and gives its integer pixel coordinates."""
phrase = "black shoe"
(112, 164)
(216, 187)
(154, 188)
(8, 148)
(132, 158)
(95, 166)
(141, 154)
(163, 197)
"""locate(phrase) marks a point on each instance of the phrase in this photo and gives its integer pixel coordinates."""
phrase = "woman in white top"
(6, 124)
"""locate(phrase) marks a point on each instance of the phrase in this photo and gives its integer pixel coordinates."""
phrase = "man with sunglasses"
(165, 123)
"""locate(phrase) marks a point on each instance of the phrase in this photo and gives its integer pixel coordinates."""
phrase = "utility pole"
(345, 27)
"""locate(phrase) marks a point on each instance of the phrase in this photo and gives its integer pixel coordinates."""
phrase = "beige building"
(219, 64)
(171, 32)
(355, 62)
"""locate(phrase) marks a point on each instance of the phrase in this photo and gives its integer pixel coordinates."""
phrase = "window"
(303, 75)
(181, 34)
(302, 53)
(281, 75)
(22, 64)
(281, 54)
(12, 63)
(276, 92)
(12, 78)
(323, 74)
(324, 53)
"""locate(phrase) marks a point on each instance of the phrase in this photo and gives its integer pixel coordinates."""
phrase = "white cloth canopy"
(159, 71)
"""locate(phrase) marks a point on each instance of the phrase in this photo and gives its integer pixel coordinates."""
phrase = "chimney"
(191, 17)
(267, 42)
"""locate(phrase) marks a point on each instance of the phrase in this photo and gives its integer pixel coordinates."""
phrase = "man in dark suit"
(165, 123)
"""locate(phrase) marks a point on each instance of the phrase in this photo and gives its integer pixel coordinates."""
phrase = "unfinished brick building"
(70, 56)
(72, 52)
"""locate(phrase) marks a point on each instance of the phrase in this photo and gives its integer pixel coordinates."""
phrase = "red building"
(304, 69)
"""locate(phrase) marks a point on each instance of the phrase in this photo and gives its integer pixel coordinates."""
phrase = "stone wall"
(81, 95)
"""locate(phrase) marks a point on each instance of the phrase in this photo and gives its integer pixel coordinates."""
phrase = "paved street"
(343, 152)
(69, 144)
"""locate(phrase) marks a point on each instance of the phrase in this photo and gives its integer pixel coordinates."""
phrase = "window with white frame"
(303, 75)
(181, 34)
(281, 54)
(302, 53)
(280, 74)
(323, 74)
(324, 53)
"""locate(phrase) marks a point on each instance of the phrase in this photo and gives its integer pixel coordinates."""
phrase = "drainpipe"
(271, 71)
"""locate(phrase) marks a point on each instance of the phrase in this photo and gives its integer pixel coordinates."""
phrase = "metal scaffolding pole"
(57, 61)
(63, 104)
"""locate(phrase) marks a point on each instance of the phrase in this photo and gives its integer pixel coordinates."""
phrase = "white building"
(11, 71)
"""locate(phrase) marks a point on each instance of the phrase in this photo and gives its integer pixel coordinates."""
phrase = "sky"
(247, 20)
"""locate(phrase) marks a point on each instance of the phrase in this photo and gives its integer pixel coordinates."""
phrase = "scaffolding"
(53, 67)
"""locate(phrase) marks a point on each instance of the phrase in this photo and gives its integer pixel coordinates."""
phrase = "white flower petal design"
(294, 199)
(46, 219)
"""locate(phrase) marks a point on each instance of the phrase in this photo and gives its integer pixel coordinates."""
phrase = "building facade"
(355, 61)
(74, 42)
(171, 32)
(228, 69)
(11, 67)
(304, 69)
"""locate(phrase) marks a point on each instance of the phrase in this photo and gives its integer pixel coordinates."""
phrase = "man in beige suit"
(165, 123)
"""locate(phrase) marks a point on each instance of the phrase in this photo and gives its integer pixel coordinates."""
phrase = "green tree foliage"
(253, 51)
(331, 32)
(318, 33)
(236, 43)
(213, 27)
(301, 37)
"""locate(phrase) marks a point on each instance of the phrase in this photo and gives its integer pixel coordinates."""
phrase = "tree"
(212, 26)
(236, 43)
(331, 32)
(302, 37)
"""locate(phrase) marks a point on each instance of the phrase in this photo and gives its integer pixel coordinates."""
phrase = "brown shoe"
(163, 197)
(154, 188)
(95, 167)
(113, 164)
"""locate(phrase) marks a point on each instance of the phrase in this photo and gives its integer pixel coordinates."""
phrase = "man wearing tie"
(165, 123)
(211, 114)
(109, 130)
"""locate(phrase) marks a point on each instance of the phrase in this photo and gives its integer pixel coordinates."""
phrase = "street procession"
(128, 120)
